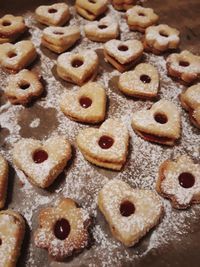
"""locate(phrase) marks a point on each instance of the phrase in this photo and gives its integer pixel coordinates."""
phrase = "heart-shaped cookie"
(78, 68)
(42, 162)
(160, 124)
(53, 15)
(86, 105)
(131, 213)
(142, 82)
(3, 180)
(14, 57)
(107, 146)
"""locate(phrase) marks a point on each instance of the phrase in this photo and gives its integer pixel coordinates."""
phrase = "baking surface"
(175, 241)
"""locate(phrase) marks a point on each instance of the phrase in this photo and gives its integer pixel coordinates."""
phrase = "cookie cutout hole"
(163, 34)
(76, 63)
(106, 142)
(58, 33)
(24, 85)
(92, 1)
(123, 48)
(11, 54)
(141, 14)
(0, 242)
(160, 118)
(52, 10)
(145, 78)
(62, 229)
(183, 63)
(85, 102)
(6, 23)
(40, 156)
(127, 208)
(102, 27)
(186, 180)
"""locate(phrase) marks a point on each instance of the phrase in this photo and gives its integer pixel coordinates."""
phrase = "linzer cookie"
(179, 181)
(160, 124)
(142, 82)
(87, 105)
(42, 162)
(12, 228)
(190, 101)
(14, 57)
(3, 181)
(63, 229)
(130, 213)
(60, 39)
(107, 146)
(123, 55)
(11, 27)
(23, 87)
(103, 30)
(139, 18)
(123, 5)
(91, 9)
(161, 38)
(78, 68)
(53, 15)
(185, 66)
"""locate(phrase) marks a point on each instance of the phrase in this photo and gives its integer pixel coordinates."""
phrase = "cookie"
(14, 57)
(185, 66)
(63, 229)
(91, 9)
(123, 55)
(11, 27)
(179, 181)
(161, 38)
(139, 18)
(190, 100)
(60, 39)
(142, 82)
(103, 30)
(12, 229)
(53, 15)
(87, 105)
(123, 5)
(43, 161)
(160, 124)
(107, 146)
(78, 68)
(3, 181)
(130, 213)
(23, 87)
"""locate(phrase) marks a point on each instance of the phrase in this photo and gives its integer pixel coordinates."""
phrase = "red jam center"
(123, 48)
(184, 63)
(186, 179)
(127, 208)
(85, 102)
(52, 10)
(12, 54)
(76, 63)
(92, 1)
(145, 78)
(141, 14)
(6, 23)
(24, 85)
(163, 34)
(160, 118)
(105, 142)
(40, 156)
(62, 229)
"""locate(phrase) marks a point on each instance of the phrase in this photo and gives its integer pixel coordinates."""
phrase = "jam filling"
(11, 54)
(141, 14)
(145, 78)
(122, 48)
(58, 33)
(24, 85)
(163, 34)
(6, 23)
(102, 27)
(127, 208)
(155, 138)
(52, 10)
(184, 63)
(76, 63)
(0, 242)
(105, 142)
(92, 1)
(40, 156)
(62, 229)
(85, 102)
(160, 118)
(186, 180)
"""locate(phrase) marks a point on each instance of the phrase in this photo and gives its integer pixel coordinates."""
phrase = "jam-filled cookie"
(190, 101)
(123, 55)
(60, 39)
(91, 9)
(160, 124)
(23, 87)
(103, 30)
(14, 57)
(42, 162)
(87, 105)
(11, 27)
(139, 18)
(63, 229)
(185, 66)
(3, 181)
(130, 213)
(53, 15)
(107, 146)
(12, 229)
(179, 181)
(142, 82)
(123, 5)
(78, 68)
(161, 38)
